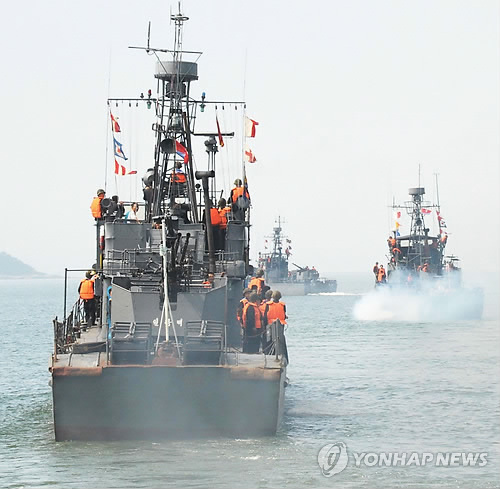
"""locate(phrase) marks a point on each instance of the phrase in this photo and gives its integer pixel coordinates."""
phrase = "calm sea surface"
(375, 386)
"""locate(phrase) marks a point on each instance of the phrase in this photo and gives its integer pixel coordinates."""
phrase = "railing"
(68, 331)
(277, 344)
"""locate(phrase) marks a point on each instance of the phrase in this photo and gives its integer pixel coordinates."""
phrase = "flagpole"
(437, 192)
(108, 116)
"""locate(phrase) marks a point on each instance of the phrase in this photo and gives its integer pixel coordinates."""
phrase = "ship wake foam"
(425, 305)
(336, 293)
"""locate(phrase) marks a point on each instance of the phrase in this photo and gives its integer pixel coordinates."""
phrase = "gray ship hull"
(159, 401)
(304, 288)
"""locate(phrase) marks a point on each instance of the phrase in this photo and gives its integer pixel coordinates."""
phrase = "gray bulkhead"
(132, 264)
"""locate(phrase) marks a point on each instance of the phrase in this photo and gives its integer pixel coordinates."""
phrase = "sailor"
(147, 193)
(391, 241)
(252, 325)
(274, 310)
(257, 282)
(178, 175)
(425, 268)
(375, 271)
(268, 295)
(131, 215)
(86, 290)
(224, 213)
(178, 180)
(209, 282)
(240, 200)
(95, 206)
(241, 305)
(381, 275)
(216, 221)
(395, 252)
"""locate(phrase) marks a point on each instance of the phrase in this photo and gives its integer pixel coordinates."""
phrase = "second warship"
(417, 262)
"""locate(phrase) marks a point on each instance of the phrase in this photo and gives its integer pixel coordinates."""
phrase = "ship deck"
(86, 356)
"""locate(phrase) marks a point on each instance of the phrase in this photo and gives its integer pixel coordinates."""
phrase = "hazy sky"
(351, 98)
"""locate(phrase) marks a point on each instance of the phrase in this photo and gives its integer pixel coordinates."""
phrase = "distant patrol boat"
(165, 357)
(417, 261)
(299, 281)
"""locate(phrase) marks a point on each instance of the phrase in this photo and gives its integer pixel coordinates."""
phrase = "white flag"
(250, 126)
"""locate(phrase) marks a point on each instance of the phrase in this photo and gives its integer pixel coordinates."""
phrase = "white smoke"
(433, 300)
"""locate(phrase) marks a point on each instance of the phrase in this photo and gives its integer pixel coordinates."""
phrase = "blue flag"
(118, 150)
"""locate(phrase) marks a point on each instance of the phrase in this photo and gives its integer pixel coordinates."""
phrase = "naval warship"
(277, 274)
(164, 358)
(418, 261)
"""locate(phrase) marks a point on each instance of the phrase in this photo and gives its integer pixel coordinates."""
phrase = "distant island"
(11, 267)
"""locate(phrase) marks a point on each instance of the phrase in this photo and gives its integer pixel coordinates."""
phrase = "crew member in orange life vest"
(252, 325)
(381, 275)
(268, 295)
(257, 282)
(86, 290)
(95, 206)
(216, 221)
(241, 305)
(178, 180)
(274, 310)
(224, 212)
(239, 199)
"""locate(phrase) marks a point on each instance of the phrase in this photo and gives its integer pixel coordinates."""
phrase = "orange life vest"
(263, 306)
(381, 274)
(178, 177)
(215, 217)
(95, 207)
(392, 242)
(239, 312)
(238, 192)
(86, 289)
(275, 310)
(223, 217)
(258, 320)
(257, 281)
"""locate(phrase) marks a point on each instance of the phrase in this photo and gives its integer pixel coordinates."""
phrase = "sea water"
(374, 386)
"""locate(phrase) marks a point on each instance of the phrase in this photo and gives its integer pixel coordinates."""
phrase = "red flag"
(250, 126)
(114, 124)
(426, 211)
(249, 156)
(182, 151)
(221, 141)
(121, 170)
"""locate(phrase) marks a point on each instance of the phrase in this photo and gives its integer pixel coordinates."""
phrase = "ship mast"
(173, 134)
